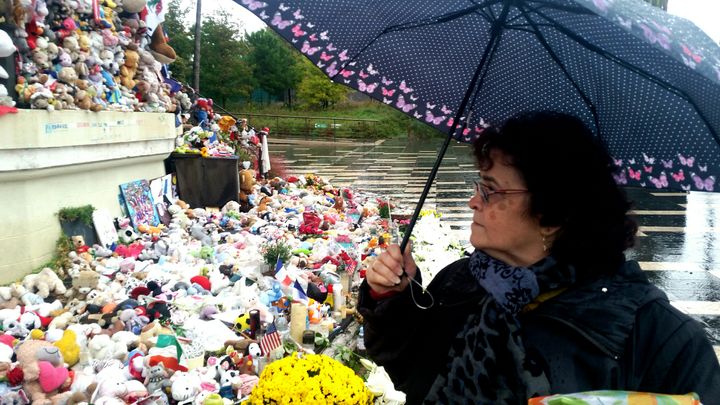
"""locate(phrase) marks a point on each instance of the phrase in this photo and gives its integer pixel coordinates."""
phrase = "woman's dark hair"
(568, 173)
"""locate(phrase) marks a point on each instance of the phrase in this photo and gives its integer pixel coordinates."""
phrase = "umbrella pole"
(496, 33)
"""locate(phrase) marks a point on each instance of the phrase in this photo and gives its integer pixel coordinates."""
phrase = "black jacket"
(618, 332)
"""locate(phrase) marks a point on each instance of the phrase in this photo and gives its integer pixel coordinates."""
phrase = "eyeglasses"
(485, 192)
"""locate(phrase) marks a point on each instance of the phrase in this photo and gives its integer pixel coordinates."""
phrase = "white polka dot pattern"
(646, 82)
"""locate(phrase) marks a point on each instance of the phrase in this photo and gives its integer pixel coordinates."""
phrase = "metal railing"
(312, 127)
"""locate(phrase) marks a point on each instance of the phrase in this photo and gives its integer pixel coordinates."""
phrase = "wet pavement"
(678, 244)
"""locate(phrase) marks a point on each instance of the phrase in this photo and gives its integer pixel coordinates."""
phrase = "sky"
(704, 13)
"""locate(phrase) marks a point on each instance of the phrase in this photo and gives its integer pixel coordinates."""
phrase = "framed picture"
(139, 203)
(163, 195)
(104, 227)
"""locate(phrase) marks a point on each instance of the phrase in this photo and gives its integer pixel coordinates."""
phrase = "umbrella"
(647, 83)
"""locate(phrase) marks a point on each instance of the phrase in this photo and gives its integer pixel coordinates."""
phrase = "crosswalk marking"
(669, 194)
(672, 266)
(679, 229)
(697, 307)
(658, 212)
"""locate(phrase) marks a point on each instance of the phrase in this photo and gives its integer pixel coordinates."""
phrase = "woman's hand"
(386, 273)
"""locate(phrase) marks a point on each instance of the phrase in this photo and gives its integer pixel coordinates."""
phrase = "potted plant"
(78, 221)
(272, 252)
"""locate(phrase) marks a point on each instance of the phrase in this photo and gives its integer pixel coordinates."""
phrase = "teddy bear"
(82, 283)
(41, 58)
(63, 99)
(133, 6)
(42, 366)
(42, 99)
(67, 75)
(102, 347)
(44, 282)
(129, 68)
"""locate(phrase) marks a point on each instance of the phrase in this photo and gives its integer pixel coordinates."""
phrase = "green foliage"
(275, 64)
(60, 259)
(348, 357)
(243, 155)
(83, 213)
(389, 122)
(225, 72)
(274, 251)
(181, 39)
(321, 342)
(658, 3)
(317, 91)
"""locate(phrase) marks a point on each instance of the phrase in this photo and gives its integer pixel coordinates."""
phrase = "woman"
(547, 303)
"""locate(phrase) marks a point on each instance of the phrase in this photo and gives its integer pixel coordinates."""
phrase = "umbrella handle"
(425, 192)
(415, 216)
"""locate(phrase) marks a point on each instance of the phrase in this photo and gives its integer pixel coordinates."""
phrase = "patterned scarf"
(486, 362)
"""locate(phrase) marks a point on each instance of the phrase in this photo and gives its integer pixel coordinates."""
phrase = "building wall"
(50, 160)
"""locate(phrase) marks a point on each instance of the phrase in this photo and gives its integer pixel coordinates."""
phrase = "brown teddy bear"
(247, 182)
(129, 68)
(82, 283)
(83, 98)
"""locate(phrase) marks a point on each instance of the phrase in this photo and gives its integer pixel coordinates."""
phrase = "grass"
(386, 121)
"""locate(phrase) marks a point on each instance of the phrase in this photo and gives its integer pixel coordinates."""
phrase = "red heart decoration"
(51, 377)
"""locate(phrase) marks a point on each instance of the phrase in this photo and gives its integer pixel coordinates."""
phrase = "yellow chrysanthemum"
(309, 379)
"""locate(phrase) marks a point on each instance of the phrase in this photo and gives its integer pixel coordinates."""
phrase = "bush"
(83, 213)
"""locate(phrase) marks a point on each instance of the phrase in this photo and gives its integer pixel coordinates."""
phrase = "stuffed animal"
(162, 52)
(129, 68)
(41, 363)
(69, 348)
(44, 282)
(156, 378)
(133, 6)
(103, 347)
(185, 388)
(82, 283)
(227, 379)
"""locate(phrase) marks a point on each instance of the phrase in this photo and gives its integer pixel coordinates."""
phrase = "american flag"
(271, 340)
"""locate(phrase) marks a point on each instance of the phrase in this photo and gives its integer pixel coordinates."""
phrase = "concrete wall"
(50, 160)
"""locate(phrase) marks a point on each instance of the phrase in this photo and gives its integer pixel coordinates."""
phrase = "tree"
(225, 72)
(659, 3)
(317, 90)
(274, 63)
(180, 39)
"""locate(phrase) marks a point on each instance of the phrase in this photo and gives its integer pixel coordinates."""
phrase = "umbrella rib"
(415, 24)
(495, 35)
(437, 19)
(560, 7)
(660, 82)
(554, 56)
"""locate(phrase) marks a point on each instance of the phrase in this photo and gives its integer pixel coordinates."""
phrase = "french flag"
(282, 275)
(298, 294)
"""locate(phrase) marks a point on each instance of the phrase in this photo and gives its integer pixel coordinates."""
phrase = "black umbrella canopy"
(646, 82)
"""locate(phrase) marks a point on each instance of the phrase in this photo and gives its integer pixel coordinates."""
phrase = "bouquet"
(309, 379)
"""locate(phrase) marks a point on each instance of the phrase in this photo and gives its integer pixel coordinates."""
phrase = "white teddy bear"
(103, 347)
(44, 282)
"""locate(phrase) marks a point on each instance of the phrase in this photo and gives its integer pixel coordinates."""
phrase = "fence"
(313, 127)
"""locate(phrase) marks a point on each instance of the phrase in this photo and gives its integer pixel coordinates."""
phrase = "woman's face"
(502, 227)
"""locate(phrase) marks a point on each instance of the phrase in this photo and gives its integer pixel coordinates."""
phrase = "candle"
(298, 321)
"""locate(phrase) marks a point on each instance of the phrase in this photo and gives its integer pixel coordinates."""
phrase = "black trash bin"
(205, 182)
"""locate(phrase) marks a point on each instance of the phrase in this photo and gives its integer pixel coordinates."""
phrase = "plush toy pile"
(192, 310)
(92, 55)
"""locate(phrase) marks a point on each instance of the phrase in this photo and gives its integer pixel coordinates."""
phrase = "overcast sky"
(704, 13)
